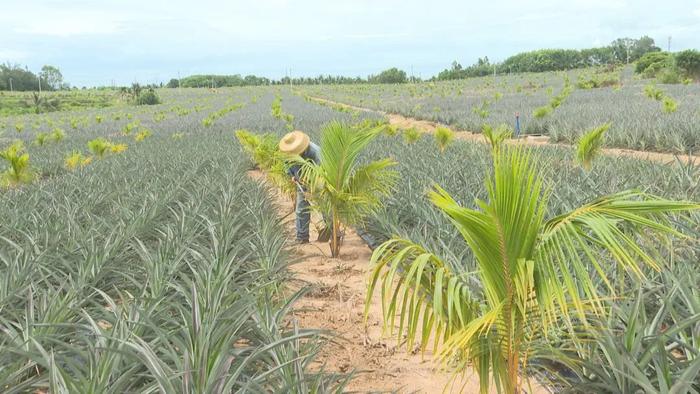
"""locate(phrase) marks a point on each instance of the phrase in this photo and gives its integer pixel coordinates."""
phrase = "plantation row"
(162, 267)
(644, 116)
(158, 268)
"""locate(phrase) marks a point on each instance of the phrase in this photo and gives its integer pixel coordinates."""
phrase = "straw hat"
(294, 143)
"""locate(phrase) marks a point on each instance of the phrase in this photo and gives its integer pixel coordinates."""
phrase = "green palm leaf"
(533, 272)
(589, 145)
(339, 186)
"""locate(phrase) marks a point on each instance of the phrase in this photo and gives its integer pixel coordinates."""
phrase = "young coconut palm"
(19, 171)
(444, 137)
(411, 135)
(340, 186)
(589, 145)
(99, 146)
(496, 137)
(532, 271)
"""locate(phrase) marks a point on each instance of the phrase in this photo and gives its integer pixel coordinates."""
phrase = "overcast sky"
(95, 42)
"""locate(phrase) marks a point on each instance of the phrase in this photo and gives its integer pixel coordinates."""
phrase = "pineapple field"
(147, 248)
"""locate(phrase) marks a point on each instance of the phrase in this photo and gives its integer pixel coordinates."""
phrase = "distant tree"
(629, 49)
(51, 76)
(22, 78)
(622, 49)
(173, 83)
(643, 46)
(689, 62)
(392, 75)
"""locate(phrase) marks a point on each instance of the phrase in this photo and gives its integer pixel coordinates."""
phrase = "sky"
(102, 42)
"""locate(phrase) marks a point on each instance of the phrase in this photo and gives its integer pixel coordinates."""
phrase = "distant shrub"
(689, 62)
(148, 97)
(669, 75)
(652, 62)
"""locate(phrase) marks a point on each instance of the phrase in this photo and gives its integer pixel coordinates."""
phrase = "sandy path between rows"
(426, 126)
(336, 303)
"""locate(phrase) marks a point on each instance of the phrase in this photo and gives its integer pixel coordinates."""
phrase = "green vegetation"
(341, 187)
(18, 103)
(19, 171)
(164, 268)
(589, 145)
(496, 137)
(444, 137)
(620, 51)
(528, 266)
(411, 135)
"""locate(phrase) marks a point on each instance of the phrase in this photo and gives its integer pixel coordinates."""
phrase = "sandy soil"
(336, 303)
(429, 127)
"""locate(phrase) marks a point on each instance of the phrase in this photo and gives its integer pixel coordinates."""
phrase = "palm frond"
(607, 229)
(589, 145)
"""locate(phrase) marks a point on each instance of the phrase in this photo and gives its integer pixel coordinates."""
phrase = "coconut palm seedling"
(98, 119)
(57, 135)
(541, 112)
(41, 139)
(75, 160)
(669, 105)
(535, 274)
(496, 137)
(339, 185)
(483, 110)
(18, 171)
(99, 147)
(411, 135)
(142, 135)
(19, 127)
(391, 130)
(444, 137)
(653, 92)
(118, 148)
(589, 145)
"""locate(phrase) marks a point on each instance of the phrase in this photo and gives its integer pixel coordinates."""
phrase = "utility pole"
(11, 90)
(39, 83)
(178, 81)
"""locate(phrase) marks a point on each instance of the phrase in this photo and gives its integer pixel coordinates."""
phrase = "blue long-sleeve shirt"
(313, 153)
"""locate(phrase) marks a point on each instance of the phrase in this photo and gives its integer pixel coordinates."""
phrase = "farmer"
(298, 143)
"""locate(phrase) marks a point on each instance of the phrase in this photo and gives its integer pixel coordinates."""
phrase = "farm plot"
(137, 271)
(156, 266)
(545, 106)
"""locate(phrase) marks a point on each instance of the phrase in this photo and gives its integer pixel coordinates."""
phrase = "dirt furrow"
(336, 303)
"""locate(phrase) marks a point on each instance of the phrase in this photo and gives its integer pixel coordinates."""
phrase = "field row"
(663, 118)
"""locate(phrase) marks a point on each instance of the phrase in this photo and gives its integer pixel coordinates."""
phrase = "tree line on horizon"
(672, 67)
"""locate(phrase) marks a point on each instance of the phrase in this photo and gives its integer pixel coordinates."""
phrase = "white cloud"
(697, 12)
(12, 55)
(70, 26)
